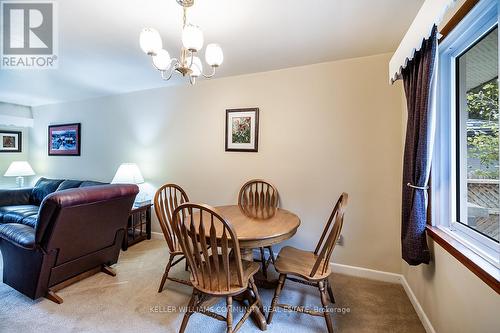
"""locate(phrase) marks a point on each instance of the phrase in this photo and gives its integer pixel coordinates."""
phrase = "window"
(478, 200)
(466, 182)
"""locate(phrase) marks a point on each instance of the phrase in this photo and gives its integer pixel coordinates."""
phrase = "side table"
(138, 226)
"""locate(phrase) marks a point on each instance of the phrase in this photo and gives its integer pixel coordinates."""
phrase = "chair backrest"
(167, 199)
(330, 235)
(207, 239)
(258, 193)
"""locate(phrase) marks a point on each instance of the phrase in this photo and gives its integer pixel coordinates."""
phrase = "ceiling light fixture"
(192, 42)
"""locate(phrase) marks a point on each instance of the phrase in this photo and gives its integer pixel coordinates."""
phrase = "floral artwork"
(242, 130)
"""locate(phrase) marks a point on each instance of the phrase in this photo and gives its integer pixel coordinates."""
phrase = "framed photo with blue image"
(65, 140)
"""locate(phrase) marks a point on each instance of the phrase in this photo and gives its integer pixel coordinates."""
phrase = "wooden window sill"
(475, 263)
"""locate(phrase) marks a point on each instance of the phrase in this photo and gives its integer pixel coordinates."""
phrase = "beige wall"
(324, 129)
(453, 298)
(18, 111)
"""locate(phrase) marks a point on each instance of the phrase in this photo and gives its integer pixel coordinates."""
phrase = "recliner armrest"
(55, 202)
(13, 197)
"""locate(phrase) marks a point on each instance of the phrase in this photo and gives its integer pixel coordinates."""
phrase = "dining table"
(255, 228)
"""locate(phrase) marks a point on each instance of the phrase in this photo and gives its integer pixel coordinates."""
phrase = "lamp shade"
(19, 169)
(214, 55)
(192, 37)
(150, 41)
(162, 60)
(128, 173)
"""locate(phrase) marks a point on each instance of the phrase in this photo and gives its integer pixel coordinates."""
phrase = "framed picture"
(242, 130)
(11, 141)
(64, 140)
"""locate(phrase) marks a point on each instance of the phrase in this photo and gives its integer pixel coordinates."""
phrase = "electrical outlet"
(340, 241)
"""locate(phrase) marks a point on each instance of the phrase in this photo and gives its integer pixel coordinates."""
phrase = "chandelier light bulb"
(196, 67)
(150, 41)
(162, 60)
(214, 55)
(192, 37)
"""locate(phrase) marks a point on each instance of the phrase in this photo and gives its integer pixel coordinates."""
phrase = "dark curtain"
(419, 84)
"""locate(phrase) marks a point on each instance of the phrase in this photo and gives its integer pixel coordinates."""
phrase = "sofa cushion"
(30, 220)
(16, 214)
(88, 183)
(18, 234)
(44, 187)
(67, 184)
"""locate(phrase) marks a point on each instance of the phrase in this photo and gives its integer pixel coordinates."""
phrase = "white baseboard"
(157, 235)
(366, 273)
(418, 308)
(387, 277)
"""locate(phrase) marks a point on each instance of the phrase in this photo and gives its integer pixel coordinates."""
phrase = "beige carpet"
(130, 303)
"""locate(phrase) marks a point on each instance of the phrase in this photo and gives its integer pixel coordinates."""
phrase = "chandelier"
(188, 64)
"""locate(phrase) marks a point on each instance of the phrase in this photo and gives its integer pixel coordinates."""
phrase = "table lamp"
(19, 169)
(129, 173)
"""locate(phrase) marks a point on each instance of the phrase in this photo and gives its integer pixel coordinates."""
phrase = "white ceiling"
(99, 50)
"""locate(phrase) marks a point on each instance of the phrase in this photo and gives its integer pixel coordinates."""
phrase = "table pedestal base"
(260, 279)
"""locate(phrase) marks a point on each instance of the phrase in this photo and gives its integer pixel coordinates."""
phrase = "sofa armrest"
(13, 197)
(18, 234)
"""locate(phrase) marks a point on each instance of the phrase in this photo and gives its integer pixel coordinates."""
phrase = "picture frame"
(242, 130)
(64, 140)
(11, 141)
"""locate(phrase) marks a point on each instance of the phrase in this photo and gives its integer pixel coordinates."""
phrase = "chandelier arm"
(173, 62)
(184, 16)
(165, 77)
(192, 80)
(208, 76)
(192, 59)
(173, 65)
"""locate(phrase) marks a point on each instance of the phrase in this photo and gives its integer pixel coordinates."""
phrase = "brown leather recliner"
(76, 230)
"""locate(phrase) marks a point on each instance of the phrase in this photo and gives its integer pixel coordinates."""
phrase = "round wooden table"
(259, 229)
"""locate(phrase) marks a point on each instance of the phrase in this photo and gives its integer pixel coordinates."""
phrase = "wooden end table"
(138, 226)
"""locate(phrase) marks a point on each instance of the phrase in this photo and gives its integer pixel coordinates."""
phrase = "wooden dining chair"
(211, 247)
(167, 199)
(260, 198)
(311, 268)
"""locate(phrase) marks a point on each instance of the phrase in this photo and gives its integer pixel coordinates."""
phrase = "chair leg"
(229, 318)
(189, 312)
(263, 262)
(251, 282)
(324, 302)
(271, 254)
(165, 275)
(277, 293)
(186, 268)
(330, 292)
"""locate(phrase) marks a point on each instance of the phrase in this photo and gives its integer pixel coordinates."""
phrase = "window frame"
(474, 26)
